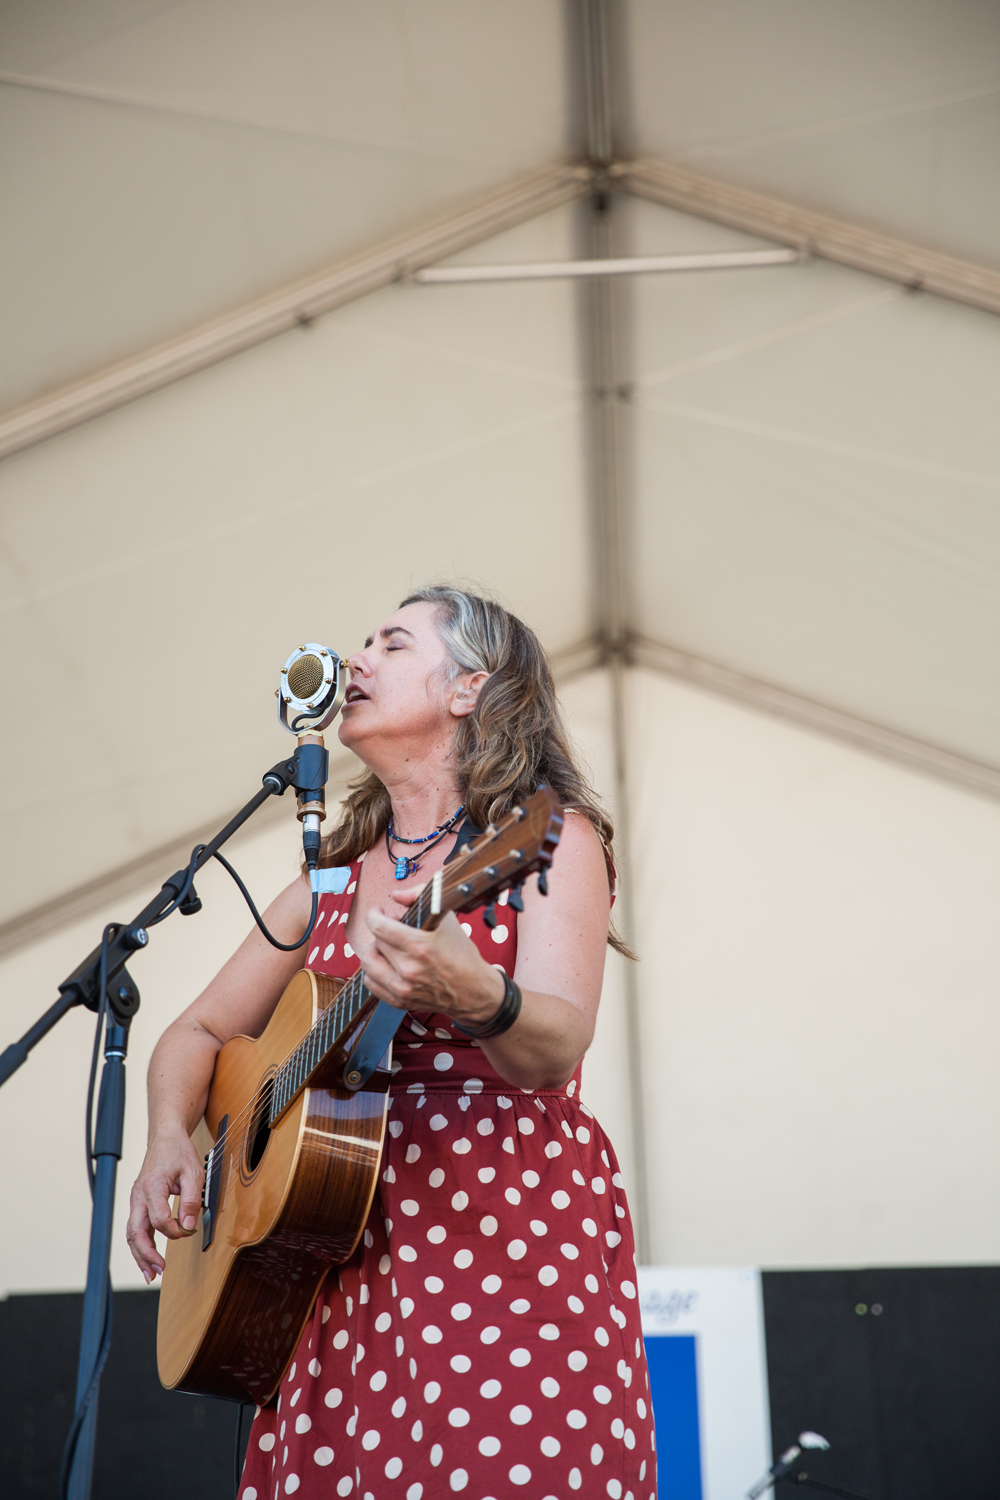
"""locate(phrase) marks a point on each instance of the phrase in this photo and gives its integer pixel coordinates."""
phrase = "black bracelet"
(510, 1009)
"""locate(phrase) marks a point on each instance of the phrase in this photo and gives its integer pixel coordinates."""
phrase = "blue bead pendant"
(406, 867)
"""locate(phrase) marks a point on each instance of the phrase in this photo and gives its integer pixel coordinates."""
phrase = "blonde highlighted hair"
(512, 742)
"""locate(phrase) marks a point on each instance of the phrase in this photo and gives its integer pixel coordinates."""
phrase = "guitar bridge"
(212, 1183)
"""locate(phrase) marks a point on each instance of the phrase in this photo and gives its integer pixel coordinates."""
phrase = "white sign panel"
(709, 1386)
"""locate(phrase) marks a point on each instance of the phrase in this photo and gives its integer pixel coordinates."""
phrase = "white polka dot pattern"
(499, 1241)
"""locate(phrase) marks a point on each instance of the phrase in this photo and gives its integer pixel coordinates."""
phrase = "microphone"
(311, 688)
(310, 693)
(785, 1462)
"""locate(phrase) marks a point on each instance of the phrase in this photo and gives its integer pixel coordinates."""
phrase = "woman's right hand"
(171, 1168)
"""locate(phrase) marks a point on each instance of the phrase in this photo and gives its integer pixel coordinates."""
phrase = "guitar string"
(254, 1108)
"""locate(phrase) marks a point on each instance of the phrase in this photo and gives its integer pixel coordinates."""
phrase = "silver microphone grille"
(305, 676)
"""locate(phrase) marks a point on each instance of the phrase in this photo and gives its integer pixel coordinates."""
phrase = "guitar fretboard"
(323, 1037)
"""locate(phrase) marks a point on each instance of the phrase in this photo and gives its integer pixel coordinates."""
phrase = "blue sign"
(673, 1386)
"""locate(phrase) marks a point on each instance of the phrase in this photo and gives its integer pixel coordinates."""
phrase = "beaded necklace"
(407, 865)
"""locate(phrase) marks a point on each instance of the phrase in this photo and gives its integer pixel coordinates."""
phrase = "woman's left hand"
(439, 971)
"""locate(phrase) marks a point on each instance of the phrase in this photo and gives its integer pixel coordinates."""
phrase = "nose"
(359, 664)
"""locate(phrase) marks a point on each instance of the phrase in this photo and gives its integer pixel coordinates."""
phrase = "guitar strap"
(467, 831)
(387, 1019)
(370, 1050)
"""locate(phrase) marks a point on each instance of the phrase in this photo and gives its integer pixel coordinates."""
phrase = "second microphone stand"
(808, 1482)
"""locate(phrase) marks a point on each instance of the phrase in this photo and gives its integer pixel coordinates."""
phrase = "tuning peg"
(490, 914)
(543, 883)
(514, 900)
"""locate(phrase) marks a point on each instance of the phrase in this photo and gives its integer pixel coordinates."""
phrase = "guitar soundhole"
(260, 1129)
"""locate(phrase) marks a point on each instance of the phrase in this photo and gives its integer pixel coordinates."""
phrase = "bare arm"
(239, 1001)
(561, 942)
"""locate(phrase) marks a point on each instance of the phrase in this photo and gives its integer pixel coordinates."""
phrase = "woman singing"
(485, 1335)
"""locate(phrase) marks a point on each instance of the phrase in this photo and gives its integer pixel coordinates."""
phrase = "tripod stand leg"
(107, 1154)
(95, 1311)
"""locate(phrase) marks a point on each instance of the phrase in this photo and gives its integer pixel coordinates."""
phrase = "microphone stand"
(801, 1477)
(306, 772)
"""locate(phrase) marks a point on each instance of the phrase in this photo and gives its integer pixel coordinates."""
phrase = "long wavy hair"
(513, 741)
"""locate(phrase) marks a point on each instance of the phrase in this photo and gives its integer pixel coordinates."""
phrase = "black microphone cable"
(284, 947)
(188, 884)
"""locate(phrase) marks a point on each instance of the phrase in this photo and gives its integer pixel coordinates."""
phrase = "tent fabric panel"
(409, 75)
(818, 988)
(295, 492)
(816, 481)
(887, 114)
(198, 161)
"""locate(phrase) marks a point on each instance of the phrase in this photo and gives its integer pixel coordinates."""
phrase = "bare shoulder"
(561, 938)
(580, 846)
(578, 878)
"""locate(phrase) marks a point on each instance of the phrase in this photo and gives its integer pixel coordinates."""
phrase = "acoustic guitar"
(292, 1139)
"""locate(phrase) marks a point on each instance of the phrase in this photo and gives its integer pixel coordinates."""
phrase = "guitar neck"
(322, 1038)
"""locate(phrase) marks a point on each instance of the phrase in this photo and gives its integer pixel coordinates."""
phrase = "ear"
(465, 693)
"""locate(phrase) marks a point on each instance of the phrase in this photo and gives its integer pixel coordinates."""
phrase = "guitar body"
(292, 1200)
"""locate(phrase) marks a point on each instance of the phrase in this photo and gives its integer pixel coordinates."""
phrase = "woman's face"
(399, 688)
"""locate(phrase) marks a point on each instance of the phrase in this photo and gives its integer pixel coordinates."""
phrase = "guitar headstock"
(522, 843)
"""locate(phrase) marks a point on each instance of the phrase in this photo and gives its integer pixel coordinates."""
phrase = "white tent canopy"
(234, 422)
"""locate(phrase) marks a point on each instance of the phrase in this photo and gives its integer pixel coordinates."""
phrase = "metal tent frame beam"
(399, 259)
(889, 744)
(630, 265)
(812, 233)
(413, 254)
(963, 771)
(900, 749)
(293, 306)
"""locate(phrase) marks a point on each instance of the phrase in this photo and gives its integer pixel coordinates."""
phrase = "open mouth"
(354, 694)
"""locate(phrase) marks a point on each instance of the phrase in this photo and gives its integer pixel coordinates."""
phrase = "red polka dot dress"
(484, 1339)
